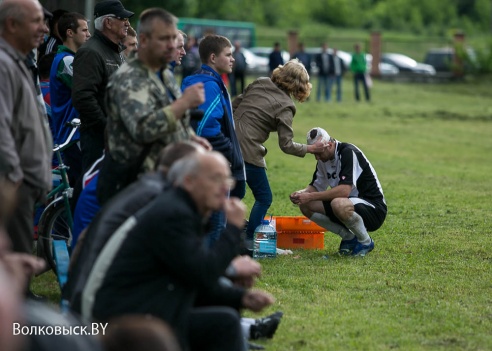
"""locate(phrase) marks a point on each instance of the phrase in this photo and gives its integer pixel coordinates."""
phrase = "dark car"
(442, 58)
(408, 65)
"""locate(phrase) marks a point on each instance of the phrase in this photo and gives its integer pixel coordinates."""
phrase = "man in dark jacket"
(93, 64)
(173, 264)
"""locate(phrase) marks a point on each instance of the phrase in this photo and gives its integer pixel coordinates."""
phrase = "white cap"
(317, 134)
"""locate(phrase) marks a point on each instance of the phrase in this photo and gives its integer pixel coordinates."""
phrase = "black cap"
(111, 7)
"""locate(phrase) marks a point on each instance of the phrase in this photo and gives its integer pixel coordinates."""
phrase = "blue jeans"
(323, 85)
(338, 82)
(260, 187)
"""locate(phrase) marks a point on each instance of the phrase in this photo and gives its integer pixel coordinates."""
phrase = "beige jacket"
(264, 108)
(25, 139)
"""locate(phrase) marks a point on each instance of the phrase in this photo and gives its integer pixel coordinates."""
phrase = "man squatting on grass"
(345, 195)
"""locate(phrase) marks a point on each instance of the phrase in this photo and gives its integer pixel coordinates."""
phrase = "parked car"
(264, 51)
(385, 69)
(442, 58)
(407, 65)
(256, 65)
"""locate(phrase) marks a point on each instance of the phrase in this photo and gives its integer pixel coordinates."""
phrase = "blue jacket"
(217, 124)
(61, 103)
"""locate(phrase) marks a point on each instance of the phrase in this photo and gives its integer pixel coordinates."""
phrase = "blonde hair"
(293, 78)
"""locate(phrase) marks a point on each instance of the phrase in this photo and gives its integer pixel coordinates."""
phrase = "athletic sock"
(325, 222)
(246, 324)
(356, 226)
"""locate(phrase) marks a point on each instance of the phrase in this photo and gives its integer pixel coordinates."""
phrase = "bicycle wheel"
(53, 225)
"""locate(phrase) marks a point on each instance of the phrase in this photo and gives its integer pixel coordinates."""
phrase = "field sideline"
(428, 283)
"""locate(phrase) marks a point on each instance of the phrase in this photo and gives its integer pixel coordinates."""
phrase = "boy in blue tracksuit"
(217, 124)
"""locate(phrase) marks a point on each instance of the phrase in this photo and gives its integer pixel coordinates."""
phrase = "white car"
(264, 51)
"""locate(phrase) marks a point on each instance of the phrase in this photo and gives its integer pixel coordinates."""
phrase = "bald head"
(22, 24)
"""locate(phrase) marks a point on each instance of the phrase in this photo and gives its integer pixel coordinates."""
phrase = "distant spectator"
(335, 73)
(324, 62)
(304, 57)
(358, 66)
(275, 58)
(238, 70)
(54, 40)
(180, 51)
(191, 62)
(130, 42)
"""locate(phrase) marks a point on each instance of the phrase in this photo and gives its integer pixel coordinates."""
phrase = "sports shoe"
(347, 246)
(362, 250)
(265, 327)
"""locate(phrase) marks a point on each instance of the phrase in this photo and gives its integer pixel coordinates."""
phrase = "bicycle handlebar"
(75, 124)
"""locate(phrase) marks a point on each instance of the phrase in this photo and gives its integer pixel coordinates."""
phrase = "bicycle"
(56, 221)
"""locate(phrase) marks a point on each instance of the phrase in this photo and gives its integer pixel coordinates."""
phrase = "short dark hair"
(52, 22)
(44, 65)
(212, 44)
(68, 21)
(148, 16)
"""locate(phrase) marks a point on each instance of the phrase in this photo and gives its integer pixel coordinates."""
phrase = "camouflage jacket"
(139, 113)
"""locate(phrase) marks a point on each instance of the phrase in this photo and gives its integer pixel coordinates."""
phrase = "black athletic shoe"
(266, 327)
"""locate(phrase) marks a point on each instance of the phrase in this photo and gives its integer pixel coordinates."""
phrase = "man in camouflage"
(146, 109)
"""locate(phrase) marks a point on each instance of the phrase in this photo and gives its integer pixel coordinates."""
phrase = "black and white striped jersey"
(350, 166)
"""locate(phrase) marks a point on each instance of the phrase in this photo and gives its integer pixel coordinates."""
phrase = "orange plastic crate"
(287, 224)
(293, 240)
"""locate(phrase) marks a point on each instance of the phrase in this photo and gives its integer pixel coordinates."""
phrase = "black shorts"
(373, 214)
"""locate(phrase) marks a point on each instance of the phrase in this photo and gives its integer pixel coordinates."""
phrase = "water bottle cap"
(265, 221)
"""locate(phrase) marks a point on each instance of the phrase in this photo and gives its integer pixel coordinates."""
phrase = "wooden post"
(459, 46)
(292, 41)
(375, 51)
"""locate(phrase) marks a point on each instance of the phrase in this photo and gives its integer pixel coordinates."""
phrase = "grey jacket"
(264, 108)
(25, 140)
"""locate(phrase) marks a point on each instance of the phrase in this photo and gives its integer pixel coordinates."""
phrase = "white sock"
(325, 222)
(246, 324)
(356, 226)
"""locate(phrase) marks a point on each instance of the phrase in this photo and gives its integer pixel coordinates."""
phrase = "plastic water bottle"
(265, 240)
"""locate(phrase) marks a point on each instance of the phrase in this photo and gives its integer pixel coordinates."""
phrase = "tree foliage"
(418, 16)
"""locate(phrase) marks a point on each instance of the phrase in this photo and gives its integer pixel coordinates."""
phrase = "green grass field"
(428, 283)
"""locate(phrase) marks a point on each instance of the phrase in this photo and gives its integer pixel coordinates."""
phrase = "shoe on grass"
(347, 246)
(265, 327)
(362, 250)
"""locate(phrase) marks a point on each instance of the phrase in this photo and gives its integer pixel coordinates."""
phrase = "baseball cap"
(111, 7)
(317, 134)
